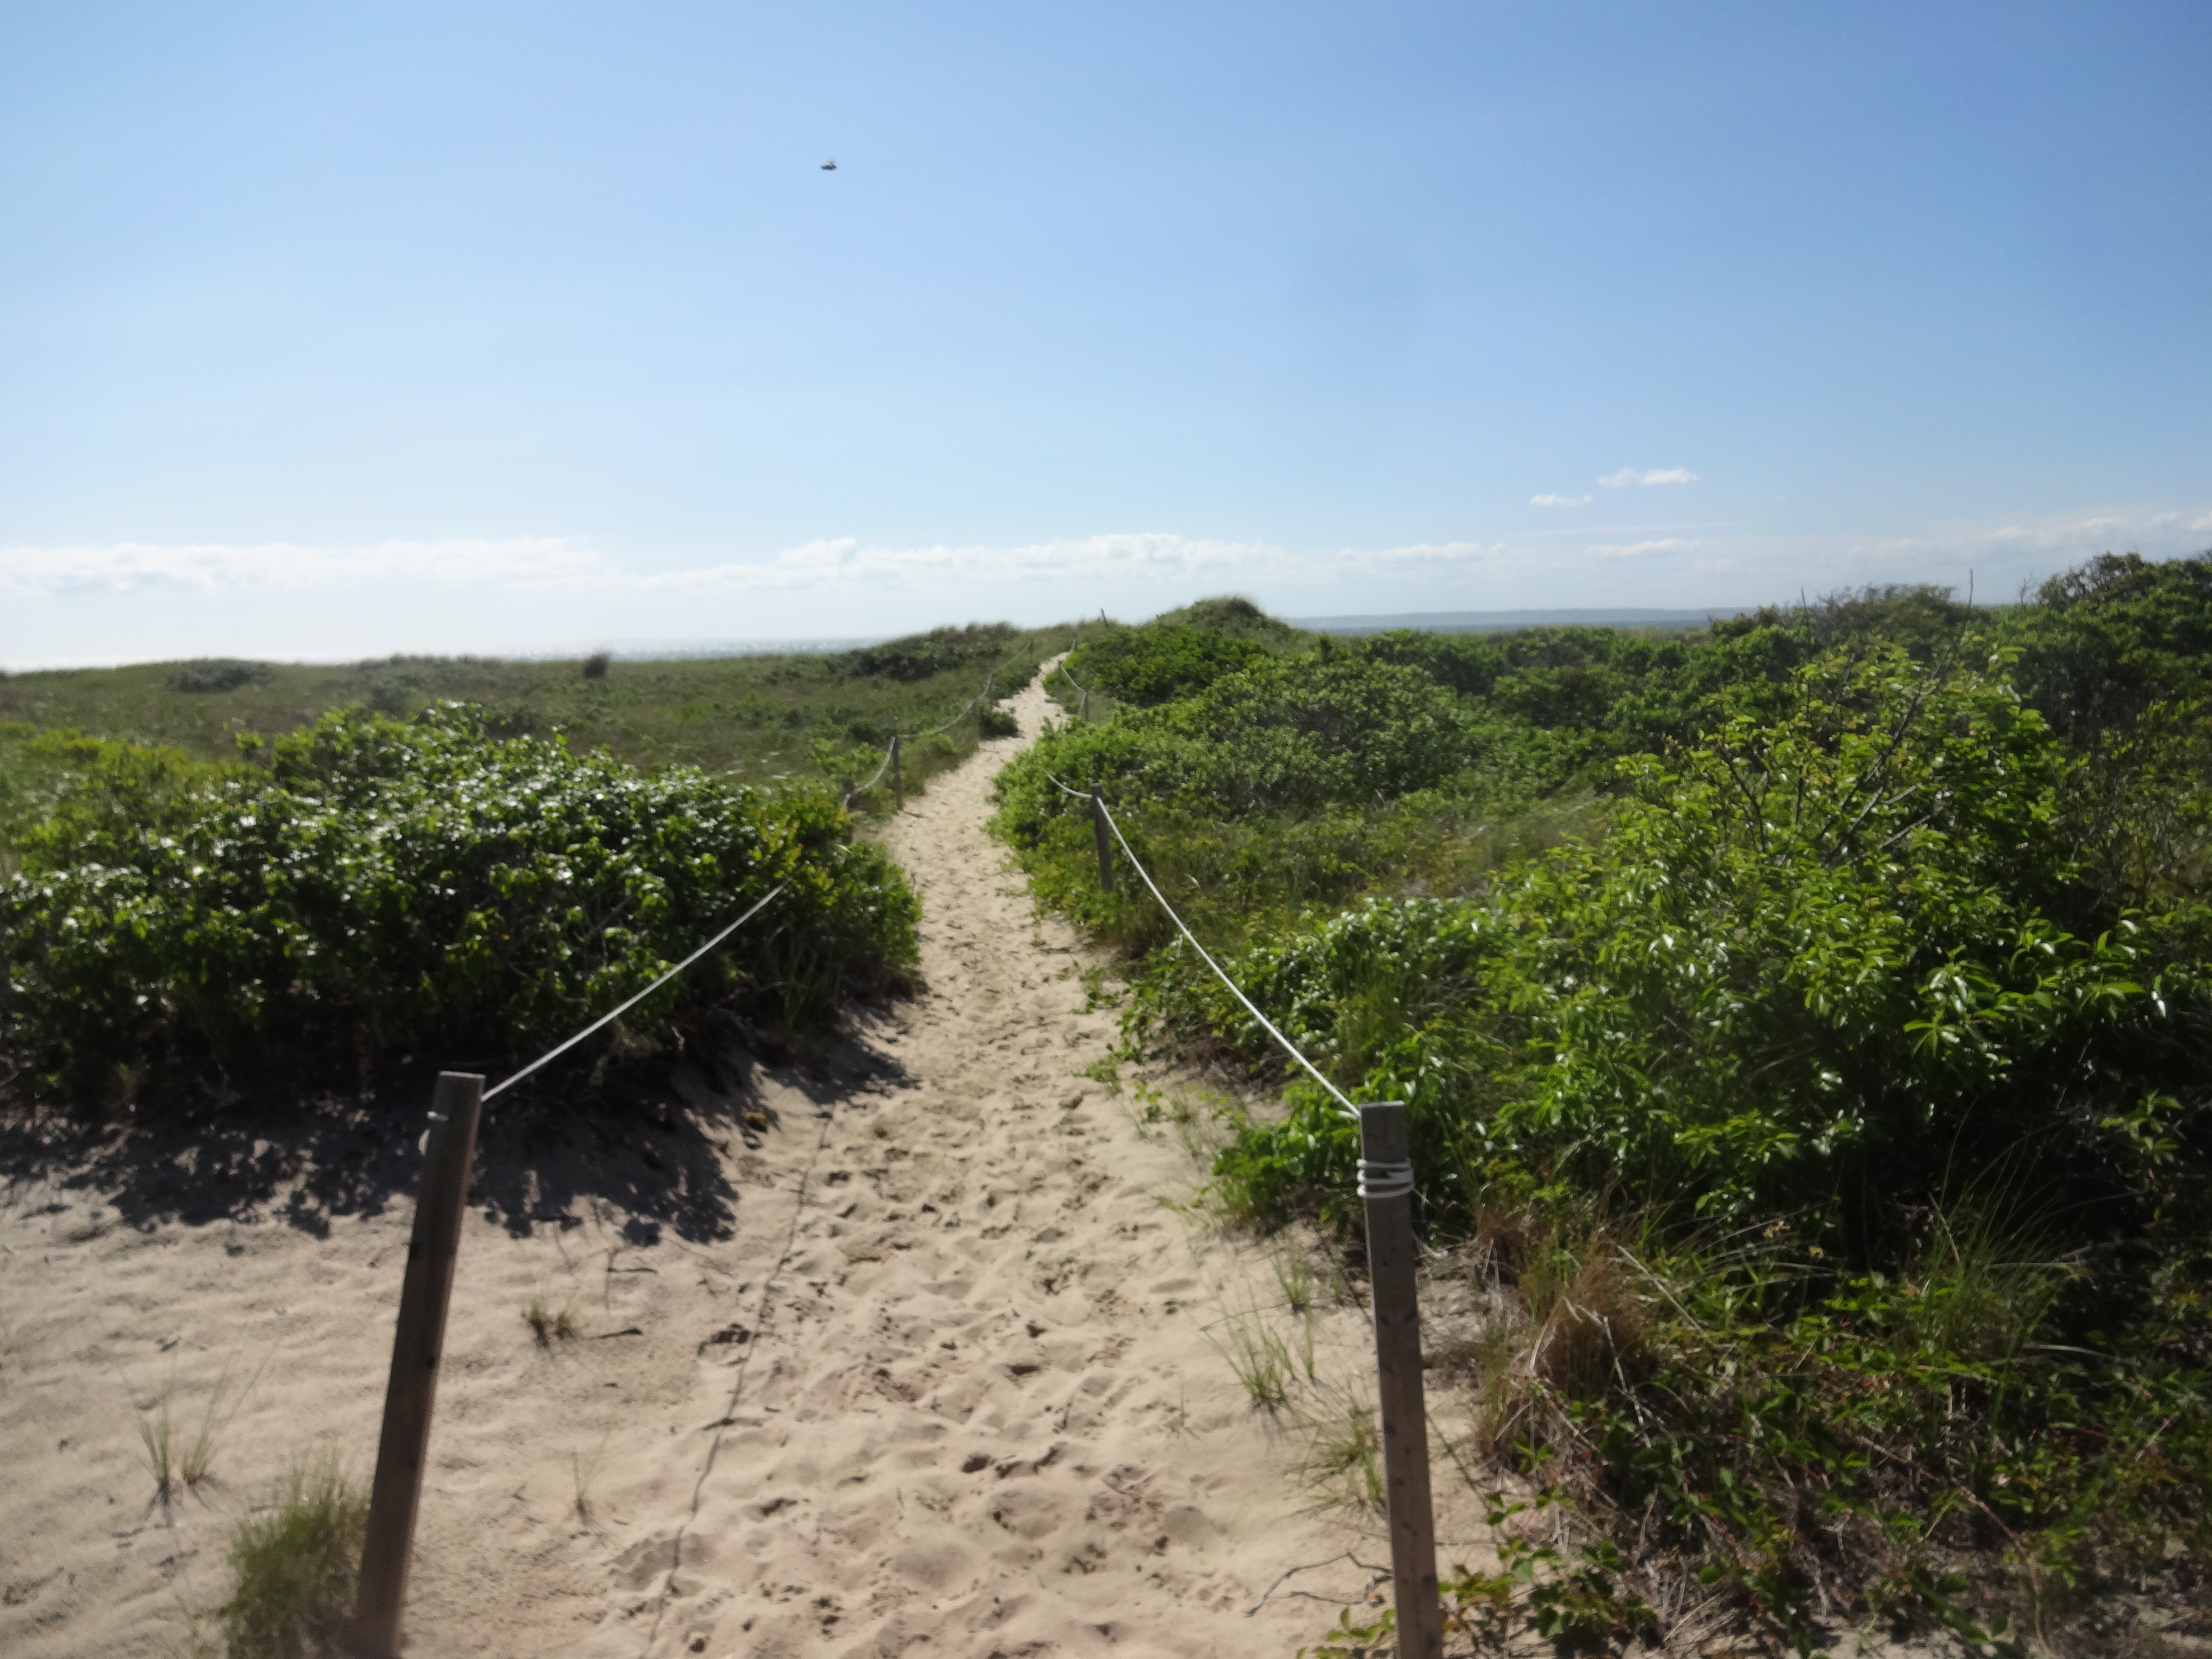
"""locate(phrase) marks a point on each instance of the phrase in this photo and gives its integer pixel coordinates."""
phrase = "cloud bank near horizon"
(138, 601)
(561, 564)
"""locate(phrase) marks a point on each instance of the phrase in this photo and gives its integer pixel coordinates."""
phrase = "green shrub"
(1289, 734)
(425, 885)
(220, 674)
(919, 656)
(1157, 664)
(1822, 963)
(1825, 1105)
(84, 779)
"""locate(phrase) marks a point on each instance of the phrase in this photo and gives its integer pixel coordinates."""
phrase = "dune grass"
(177, 1460)
(547, 1323)
(585, 1471)
(294, 1560)
(157, 1439)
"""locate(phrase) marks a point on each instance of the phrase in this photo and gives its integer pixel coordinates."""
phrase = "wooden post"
(388, 1546)
(1105, 844)
(1386, 1170)
(898, 776)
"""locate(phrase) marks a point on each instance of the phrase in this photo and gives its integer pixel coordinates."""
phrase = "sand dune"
(935, 1366)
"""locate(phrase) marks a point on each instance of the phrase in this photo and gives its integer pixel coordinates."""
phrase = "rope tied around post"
(1386, 1188)
(1386, 1178)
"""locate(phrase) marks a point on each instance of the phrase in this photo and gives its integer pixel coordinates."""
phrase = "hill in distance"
(1496, 622)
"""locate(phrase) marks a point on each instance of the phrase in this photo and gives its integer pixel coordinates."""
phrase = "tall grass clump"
(294, 1561)
(385, 884)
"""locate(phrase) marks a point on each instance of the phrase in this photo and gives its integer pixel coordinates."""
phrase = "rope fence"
(605, 1020)
(1386, 1189)
(1265, 1024)
(1084, 711)
(892, 750)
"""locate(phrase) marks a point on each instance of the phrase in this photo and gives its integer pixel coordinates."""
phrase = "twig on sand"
(1379, 1572)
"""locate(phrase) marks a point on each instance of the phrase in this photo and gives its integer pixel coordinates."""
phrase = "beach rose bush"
(1845, 954)
(428, 886)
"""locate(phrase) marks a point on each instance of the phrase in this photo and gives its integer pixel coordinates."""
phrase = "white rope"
(1386, 1179)
(1081, 795)
(880, 770)
(604, 1018)
(898, 738)
(1266, 1023)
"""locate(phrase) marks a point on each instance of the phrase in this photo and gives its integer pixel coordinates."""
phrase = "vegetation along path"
(945, 1375)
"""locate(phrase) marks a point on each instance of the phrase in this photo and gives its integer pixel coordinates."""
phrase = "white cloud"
(1655, 475)
(1637, 550)
(2204, 522)
(1559, 501)
(827, 566)
(2067, 538)
(132, 566)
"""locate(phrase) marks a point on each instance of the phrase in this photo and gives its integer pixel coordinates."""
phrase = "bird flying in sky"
(829, 165)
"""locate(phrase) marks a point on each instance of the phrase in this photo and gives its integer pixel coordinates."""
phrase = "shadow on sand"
(651, 1139)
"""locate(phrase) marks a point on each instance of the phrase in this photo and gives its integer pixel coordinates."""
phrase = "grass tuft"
(547, 1324)
(223, 1403)
(1259, 1357)
(585, 1470)
(157, 1435)
(295, 1560)
(1343, 1452)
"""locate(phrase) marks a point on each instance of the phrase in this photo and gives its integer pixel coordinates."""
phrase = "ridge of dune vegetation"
(930, 1362)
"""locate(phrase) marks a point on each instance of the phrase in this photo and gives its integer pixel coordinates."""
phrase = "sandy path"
(945, 1375)
(981, 1412)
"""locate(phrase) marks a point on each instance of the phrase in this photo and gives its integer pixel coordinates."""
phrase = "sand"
(940, 1365)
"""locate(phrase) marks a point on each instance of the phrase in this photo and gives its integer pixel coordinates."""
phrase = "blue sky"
(329, 330)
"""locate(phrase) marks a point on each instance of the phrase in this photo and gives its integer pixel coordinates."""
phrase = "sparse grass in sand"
(1103, 1070)
(1342, 1456)
(157, 1434)
(173, 1462)
(1098, 993)
(1260, 1359)
(548, 1324)
(295, 1559)
(1204, 1121)
(586, 1470)
(223, 1403)
(1178, 1420)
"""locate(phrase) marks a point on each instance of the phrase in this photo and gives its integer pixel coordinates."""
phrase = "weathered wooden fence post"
(898, 774)
(1105, 844)
(1386, 1184)
(416, 1347)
